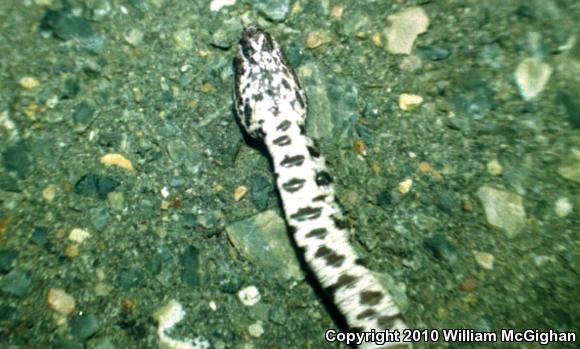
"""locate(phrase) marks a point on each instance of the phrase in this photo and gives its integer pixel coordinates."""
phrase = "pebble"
(404, 29)
(83, 116)
(317, 38)
(16, 282)
(7, 259)
(563, 207)
(405, 186)
(571, 105)
(503, 210)
(114, 159)
(183, 40)
(116, 201)
(78, 235)
(468, 285)
(217, 5)
(494, 168)
(249, 295)
(261, 191)
(18, 158)
(274, 10)
(263, 240)
(84, 326)
(240, 192)
(441, 248)
(432, 53)
(256, 329)
(409, 101)
(531, 77)
(39, 235)
(29, 82)
(484, 260)
(228, 33)
(60, 301)
(95, 185)
(134, 37)
(49, 193)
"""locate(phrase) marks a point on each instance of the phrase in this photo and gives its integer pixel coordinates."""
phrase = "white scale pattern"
(271, 106)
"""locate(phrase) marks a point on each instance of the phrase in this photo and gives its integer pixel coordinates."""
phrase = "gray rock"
(503, 210)
(84, 326)
(332, 107)
(228, 33)
(99, 218)
(7, 259)
(274, 10)
(263, 240)
(16, 282)
(17, 158)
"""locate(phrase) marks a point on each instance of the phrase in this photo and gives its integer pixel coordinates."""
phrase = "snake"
(271, 106)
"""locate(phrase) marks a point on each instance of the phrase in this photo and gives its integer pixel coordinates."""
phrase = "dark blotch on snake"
(371, 297)
(317, 233)
(306, 213)
(284, 125)
(291, 161)
(293, 185)
(282, 140)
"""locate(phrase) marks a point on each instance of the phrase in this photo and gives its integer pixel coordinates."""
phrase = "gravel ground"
(125, 182)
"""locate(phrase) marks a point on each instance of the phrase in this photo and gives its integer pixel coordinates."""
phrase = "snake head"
(265, 85)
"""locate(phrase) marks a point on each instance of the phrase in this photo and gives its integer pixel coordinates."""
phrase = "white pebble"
(494, 168)
(531, 76)
(60, 301)
(249, 295)
(484, 260)
(563, 207)
(409, 101)
(78, 235)
(217, 5)
(405, 186)
(404, 29)
(256, 329)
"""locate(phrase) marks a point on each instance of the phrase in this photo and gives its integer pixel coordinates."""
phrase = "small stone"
(16, 282)
(40, 235)
(84, 326)
(134, 37)
(337, 11)
(78, 235)
(191, 266)
(100, 343)
(317, 38)
(404, 29)
(503, 210)
(99, 217)
(114, 159)
(442, 248)
(432, 53)
(409, 101)
(405, 186)
(227, 34)
(29, 82)
(377, 39)
(7, 259)
(563, 207)
(49, 193)
(256, 329)
(72, 251)
(18, 158)
(468, 285)
(531, 77)
(60, 301)
(249, 295)
(95, 185)
(494, 168)
(360, 146)
(217, 5)
(83, 116)
(240, 192)
(275, 10)
(484, 260)
(183, 40)
(116, 201)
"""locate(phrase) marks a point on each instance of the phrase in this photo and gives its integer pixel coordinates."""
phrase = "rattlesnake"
(271, 107)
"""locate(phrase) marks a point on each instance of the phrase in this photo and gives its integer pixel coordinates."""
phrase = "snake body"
(271, 106)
